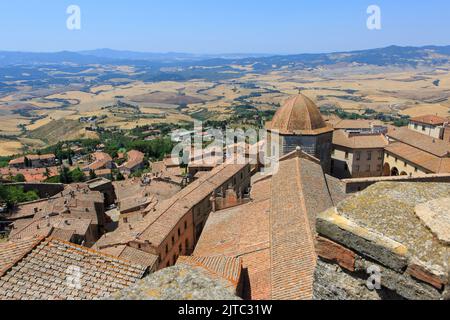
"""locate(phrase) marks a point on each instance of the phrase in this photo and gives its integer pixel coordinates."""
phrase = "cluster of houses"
(38, 168)
(363, 148)
(295, 233)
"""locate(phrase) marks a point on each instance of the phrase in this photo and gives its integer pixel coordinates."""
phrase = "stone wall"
(319, 146)
(44, 190)
(178, 283)
(359, 184)
(356, 264)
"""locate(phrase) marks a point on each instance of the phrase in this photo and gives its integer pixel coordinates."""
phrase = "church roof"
(299, 115)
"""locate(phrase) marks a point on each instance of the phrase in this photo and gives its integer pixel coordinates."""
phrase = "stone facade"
(381, 250)
(435, 131)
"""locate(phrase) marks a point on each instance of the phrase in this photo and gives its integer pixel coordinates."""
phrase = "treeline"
(369, 114)
(12, 195)
(154, 149)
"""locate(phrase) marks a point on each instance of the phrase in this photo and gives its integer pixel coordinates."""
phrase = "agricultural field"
(35, 114)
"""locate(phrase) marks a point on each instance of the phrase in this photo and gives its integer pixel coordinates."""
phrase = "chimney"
(213, 202)
(298, 151)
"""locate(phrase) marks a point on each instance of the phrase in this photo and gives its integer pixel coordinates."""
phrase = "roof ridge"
(16, 261)
(176, 199)
(92, 251)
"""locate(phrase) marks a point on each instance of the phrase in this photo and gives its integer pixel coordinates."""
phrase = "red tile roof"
(43, 274)
(299, 115)
(228, 268)
(417, 140)
(430, 119)
(158, 224)
(359, 141)
(12, 251)
(419, 157)
(275, 241)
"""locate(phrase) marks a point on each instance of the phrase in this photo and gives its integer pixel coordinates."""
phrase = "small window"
(180, 248)
(405, 164)
(179, 232)
(346, 155)
(358, 155)
(186, 246)
(369, 155)
(167, 248)
(423, 128)
(173, 240)
(185, 225)
(415, 169)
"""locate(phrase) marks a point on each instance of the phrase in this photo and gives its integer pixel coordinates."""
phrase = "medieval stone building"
(299, 124)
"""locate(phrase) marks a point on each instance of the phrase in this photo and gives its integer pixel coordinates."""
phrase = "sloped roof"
(43, 273)
(298, 115)
(228, 268)
(356, 124)
(415, 139)
(359, 141)
(132, 255)
(158, 223)
(430, 119)
(12, 251)
(419, 157)
(275, 241)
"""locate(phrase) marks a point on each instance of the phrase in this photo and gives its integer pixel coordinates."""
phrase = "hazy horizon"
(228, 27)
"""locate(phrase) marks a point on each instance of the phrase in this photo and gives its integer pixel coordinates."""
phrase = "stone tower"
(299, 124)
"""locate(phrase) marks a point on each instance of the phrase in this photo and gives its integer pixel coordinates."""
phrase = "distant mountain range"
(393, 55)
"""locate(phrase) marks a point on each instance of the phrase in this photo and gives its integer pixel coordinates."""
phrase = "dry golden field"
(50, 115)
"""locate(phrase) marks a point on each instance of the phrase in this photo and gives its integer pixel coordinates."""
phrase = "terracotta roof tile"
(45, 273)
(419, 157)
(228, 268)
(157, 224)
(299, 115)
(12, 251)
(275, 241)
(359, 141)
(415, 139)
(430, 119)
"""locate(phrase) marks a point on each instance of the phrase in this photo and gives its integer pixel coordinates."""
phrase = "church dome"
(299, 115)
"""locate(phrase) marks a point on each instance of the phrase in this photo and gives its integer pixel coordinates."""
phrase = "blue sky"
(222, 26)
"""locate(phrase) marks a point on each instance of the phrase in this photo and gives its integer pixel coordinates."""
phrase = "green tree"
(19, 178)
(65, 176)
(119, 176)
(77, 175)
(14, 195)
